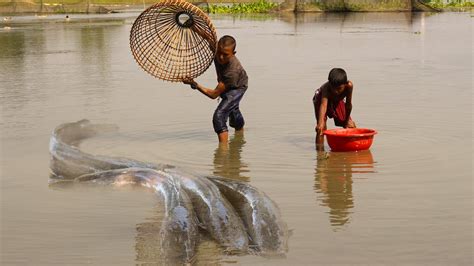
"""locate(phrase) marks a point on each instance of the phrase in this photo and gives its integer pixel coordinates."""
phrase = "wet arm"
(322, 115)
(348, 103)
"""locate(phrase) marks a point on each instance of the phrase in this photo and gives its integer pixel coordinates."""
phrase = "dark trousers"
(228, 108)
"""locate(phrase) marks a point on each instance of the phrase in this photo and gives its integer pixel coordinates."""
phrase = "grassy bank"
(261, 6)
(103, 6)
(223, 6)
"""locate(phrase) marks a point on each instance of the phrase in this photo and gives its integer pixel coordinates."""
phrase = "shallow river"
(406, 201)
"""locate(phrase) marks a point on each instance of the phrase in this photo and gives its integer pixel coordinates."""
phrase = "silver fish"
(178, 232)
(215, 213)
(260, 214)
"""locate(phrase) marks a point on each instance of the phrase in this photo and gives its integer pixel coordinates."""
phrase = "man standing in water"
(231, 87)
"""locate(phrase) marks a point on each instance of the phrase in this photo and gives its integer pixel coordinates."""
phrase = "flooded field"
(408, 200)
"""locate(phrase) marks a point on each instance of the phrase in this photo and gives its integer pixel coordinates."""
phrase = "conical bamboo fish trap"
(173, 40)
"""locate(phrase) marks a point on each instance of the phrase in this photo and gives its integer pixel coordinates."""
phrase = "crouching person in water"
(334, 100)
(232, 84)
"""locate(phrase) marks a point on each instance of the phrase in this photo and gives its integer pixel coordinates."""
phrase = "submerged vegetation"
(262, 6)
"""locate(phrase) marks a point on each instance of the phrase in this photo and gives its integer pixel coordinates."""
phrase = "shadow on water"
(228, 159)
(333, 181)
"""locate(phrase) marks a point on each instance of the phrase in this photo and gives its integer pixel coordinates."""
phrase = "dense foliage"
(449, 3)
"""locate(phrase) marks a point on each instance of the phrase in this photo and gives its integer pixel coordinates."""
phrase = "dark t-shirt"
(232, 74)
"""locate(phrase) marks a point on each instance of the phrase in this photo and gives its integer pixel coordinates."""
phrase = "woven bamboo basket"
(173, 40)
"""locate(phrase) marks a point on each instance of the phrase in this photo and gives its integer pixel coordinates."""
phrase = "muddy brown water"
(406, 201)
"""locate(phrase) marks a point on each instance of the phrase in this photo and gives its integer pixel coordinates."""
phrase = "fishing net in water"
(172, 40)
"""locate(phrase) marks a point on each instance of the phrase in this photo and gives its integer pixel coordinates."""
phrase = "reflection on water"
(94, 51)
(355, 22)
(228, 160)
(148, 242)
(12, 62)
(12, 44)
(333, 181)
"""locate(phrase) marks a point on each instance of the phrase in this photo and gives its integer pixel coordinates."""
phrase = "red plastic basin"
(350, 139)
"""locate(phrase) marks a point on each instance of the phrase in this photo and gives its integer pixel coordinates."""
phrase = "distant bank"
(249, 6)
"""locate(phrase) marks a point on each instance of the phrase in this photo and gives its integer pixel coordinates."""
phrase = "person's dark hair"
(226, 41)
(337, 77)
